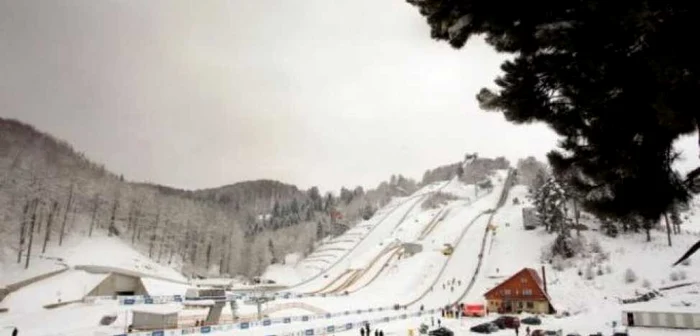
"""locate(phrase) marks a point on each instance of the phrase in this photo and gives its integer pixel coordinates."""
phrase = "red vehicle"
(507, 322)
(474, 310)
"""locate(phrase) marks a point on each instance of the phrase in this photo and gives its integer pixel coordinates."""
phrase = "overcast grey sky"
(198, 94)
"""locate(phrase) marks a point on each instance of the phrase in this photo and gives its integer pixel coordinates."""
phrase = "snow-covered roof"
(532, 273)
(205, 303)
(71, 285)
(213, 282)
(156, 287)
(165, 309)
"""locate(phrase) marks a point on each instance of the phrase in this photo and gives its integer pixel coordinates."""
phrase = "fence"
(333, 328)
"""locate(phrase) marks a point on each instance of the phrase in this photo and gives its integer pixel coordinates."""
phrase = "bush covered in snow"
(674, 276)
(646, 283)
(595, 246)
(677, 276)
(590, 274)
(437, 199)
(630, 276)
(559, 263)
(567, 247)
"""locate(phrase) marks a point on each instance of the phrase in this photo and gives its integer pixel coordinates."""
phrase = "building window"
(523, 279)
(506, 292)
(520, 304)
(530, 305)
(527, 291)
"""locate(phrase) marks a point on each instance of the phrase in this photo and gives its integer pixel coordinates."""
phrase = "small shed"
(119, 284)
(205, 293)
(530, 219)
(412, 248)
(668, 318)
(155, 318)
(219, 283)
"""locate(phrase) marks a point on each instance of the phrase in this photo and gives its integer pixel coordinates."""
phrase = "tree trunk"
(172, 252)
(31, 233)
(136, 230)
(130, 220)
(39, 219)
(668, 229)
(95, 206)
(648, 230)
(208, 256)
(163, 239)
(576, 218)
(185, 244)
(65, 216)
(47, 236)
(154, 235)
(112, 229)
(23, 229)
(193, 256)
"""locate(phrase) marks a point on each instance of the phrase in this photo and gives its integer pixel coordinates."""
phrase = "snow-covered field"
(363, 263)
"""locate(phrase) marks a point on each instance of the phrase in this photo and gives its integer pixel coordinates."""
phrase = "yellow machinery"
(448, 249)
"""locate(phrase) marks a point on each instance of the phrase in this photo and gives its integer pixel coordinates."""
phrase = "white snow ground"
(592, 302)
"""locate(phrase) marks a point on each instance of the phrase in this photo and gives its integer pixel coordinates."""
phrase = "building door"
(508, 307)
(630, 319)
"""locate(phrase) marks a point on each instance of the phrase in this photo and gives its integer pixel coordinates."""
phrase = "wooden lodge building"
(523, 292)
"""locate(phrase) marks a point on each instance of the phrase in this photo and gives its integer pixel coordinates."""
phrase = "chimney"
(544, 280)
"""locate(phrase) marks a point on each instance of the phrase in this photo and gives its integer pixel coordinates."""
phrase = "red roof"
(529, 272)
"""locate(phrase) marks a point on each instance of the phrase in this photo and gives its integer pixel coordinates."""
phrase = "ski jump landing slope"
(376, 237)
(418, 280)
(408, 281)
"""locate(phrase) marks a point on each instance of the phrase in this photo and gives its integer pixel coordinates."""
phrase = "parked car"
(537, 332)
(442, 331)
(573, 334)
(509, 322)
(620, 332)
(553, 333)
(423, 330)
(485, 328)
(531, 320)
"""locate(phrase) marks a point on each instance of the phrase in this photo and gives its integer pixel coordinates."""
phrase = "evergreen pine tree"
(619, 101)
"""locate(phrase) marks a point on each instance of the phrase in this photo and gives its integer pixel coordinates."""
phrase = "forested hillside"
(49, 191)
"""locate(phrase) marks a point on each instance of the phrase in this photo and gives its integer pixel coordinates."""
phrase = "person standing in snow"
(527, 331)
(15, 332)
(381, 333)
(362, 331)
(517, 330)
(432, 321)
(439, 322)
